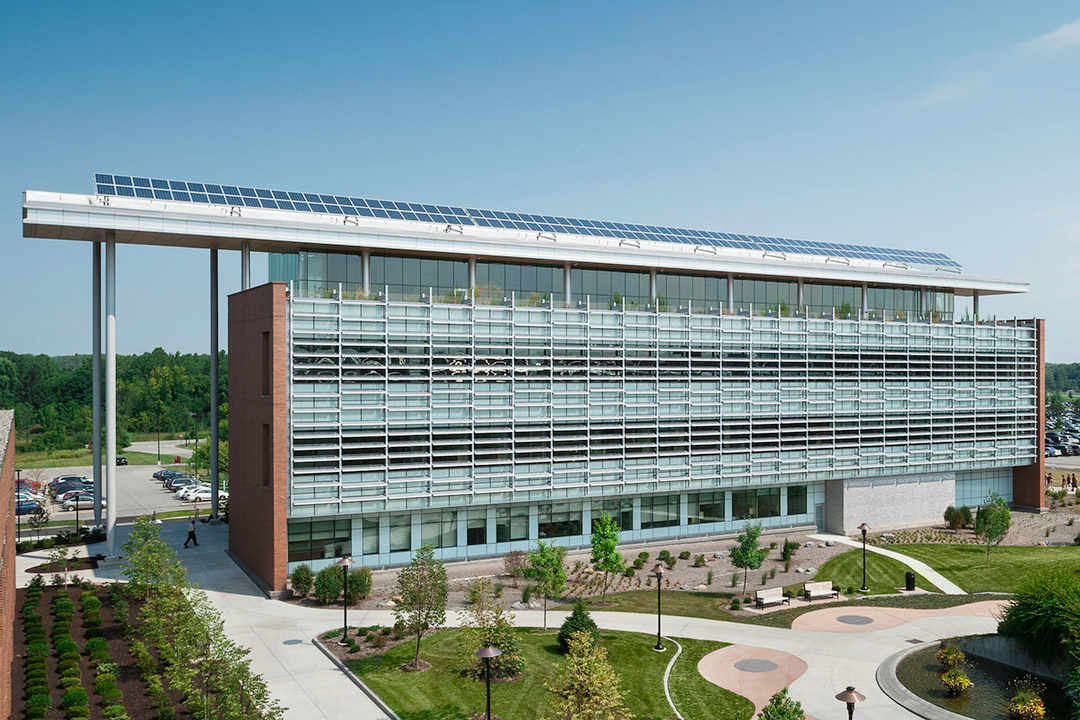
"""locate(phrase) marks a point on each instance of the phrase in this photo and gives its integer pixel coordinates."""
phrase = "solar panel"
(208, 193)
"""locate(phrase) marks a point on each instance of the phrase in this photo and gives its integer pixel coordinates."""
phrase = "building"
(479, 380)
(7, 558)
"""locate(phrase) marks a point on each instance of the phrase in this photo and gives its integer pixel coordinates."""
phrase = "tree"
(746, 555)
(38, 519)
(358, 585)
(585, 686)
(992, 522)
(546, 568)
(605, 549)
(488, 623)
(423, 587)
(151, 566)
(578, 621)
(782, 707)
(328, 584)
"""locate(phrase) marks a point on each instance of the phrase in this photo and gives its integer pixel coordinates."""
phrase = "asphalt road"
(168, 447)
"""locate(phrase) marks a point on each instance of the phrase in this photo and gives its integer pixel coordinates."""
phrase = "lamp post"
(850, 697)
(658, 572)
(345, 563)
(486, 653)
(864, 528)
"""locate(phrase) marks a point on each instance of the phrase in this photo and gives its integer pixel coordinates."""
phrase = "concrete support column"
(975, 305)
(566, 284)
(245, 265)
(730, 293)
(110, 394)
(865, 299)
(652, 286)
(472, 275)
(96, 363)
(365, 270)
(799, 301)
(214, 466)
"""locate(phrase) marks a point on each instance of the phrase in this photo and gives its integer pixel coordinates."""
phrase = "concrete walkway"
(944, 584)
(306, 682)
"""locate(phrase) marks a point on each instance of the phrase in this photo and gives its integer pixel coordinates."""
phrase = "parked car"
(179, 481)
(1051, 452)
(83, 500)
(66, 479)
(205, 495)
(31, 496)
(61, 497)
(26, 507)
(121, 460)
(166, 474)
(184, 492)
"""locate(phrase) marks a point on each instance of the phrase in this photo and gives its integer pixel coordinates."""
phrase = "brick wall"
(258, 441)
(7, 558)
(1028, 481)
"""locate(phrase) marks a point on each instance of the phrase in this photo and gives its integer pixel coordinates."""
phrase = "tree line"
(1063, 377)
(155, 391)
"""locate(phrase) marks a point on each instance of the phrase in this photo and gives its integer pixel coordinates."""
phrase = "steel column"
(975, 305)
(652, 286)
(96, 363)
(365, 270)
(730, 293)
(865, 300)
(213, 384)
(472, 276)
(566, 284)
(245, 265)
(110, 393)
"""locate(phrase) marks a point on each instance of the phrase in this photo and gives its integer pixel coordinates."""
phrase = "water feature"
(988, 698)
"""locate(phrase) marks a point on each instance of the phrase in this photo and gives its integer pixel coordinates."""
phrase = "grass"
(883, 574)
(442, 693)
(80, 458)
(688, 603)
(784, 618)
(965, 565)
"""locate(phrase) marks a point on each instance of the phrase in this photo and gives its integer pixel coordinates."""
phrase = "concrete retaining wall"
(1008, 652)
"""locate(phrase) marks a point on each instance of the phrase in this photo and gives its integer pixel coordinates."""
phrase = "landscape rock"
(702, 587)
(810, 571)
(809, 544)
(536, 605)
(718, 556)
(829, 543)
(387, 604)
(518, 605)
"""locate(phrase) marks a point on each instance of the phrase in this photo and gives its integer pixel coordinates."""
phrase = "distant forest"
(1063, 377)
(154, 391)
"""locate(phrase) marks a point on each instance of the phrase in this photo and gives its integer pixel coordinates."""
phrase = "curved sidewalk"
(944, 584)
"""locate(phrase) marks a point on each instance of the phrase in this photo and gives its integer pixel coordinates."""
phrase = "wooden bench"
(815, 590)
(772, 596)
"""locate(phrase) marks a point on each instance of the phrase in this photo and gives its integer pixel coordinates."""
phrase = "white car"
(184, 492)
(30, 497)
(205, 495)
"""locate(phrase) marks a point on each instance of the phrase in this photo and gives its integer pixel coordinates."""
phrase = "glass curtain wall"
(531, 285)
(765, 296)
(410, 279)
(611, 288)
(700, 293)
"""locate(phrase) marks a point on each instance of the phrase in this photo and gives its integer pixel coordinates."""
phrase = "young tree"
(546, 568)
(585, 686)
(423, 588)
(578, 621)
(746, 555)
(992, 522)
(605, 549)
(151, 566)
(488, 623)
(38, 519)
(782, 707)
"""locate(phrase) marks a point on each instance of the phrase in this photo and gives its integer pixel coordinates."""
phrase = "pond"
(988, 698)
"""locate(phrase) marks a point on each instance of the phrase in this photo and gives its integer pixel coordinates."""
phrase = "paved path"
(755, 673)
(944, 584)
(306, 682)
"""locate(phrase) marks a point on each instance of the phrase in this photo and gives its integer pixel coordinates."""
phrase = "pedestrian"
(191, 534)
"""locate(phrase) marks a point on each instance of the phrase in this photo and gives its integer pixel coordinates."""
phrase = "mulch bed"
(82, 563)
(342, 653)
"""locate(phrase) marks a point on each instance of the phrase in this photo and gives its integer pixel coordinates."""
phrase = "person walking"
(191, 534)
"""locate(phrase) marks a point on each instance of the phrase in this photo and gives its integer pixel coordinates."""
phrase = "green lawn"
(79, 458)
(965, 565)
(688, 603)
(784, 618)
(883, 574)
(442, 693)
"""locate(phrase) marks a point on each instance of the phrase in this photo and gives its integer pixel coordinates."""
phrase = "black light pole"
(486, 654)
(658, 572)
(850, 697)
(345, 564)
(17, 513)
(864, 528)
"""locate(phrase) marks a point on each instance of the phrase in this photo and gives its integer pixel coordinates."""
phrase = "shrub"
(95, 644)
(952, 518)
(643, 556)
(47, 543)
(699, 561)
(950, 656)
(359, 585)
(708, 578)
(1044, 611)
(69, 681)
(499, 587)
(735, 604)
(111, 695)
(301, 580)
(78, 712)
(956, 682)
(671, 563)
(788, 551)
(639, 563)
(526, 593)
(76, 697)
(377, 641)
(1026, 702)
(850, 590)
(115, 712)
(684, 555)
(579, 620)
(104, 680)
(515, 562)
(772, 573)
(782, 707)
(629, 572)
(965, 516)
(328, 585)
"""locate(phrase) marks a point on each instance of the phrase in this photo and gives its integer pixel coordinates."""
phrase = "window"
(611, 288)
(410, 278)
(512, 523)
(266, 364)
(531, 284)
(400, 533)
(705, 508)
(476, 527)
(319, 539)
(371, 536)
(694, 291)
(559, 520)
(755, 503)
(621, 509)
(796, 500)
(659, 511)
(439, 529)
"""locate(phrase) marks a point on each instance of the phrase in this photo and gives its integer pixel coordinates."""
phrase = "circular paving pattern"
(855, 619)
(755, 665)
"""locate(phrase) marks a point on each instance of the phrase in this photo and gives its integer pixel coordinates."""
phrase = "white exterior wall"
(888, 503)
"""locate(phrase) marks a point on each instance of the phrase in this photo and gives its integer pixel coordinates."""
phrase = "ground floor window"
(796, 500)
(559, 520)
(400, 533)
(512, 523)
(755, 503)
(476, 527)
(319, 539)
(659, 511)
(439, 529)
(621, 509)
(371, 536)
(705, 508)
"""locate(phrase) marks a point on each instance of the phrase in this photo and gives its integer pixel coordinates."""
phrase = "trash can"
(176, 459)
(909, 580)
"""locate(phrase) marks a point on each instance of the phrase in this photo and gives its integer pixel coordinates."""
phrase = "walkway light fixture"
(345, 563)
(850, 697)
(864, 528)
(658, 572)
(486, 654)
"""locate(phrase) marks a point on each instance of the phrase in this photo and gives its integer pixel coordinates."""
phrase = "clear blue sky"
(946, 126)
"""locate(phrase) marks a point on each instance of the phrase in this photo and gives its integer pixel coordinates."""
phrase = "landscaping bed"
(73, 565)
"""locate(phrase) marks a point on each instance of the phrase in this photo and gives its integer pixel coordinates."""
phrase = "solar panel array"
(233, 195)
